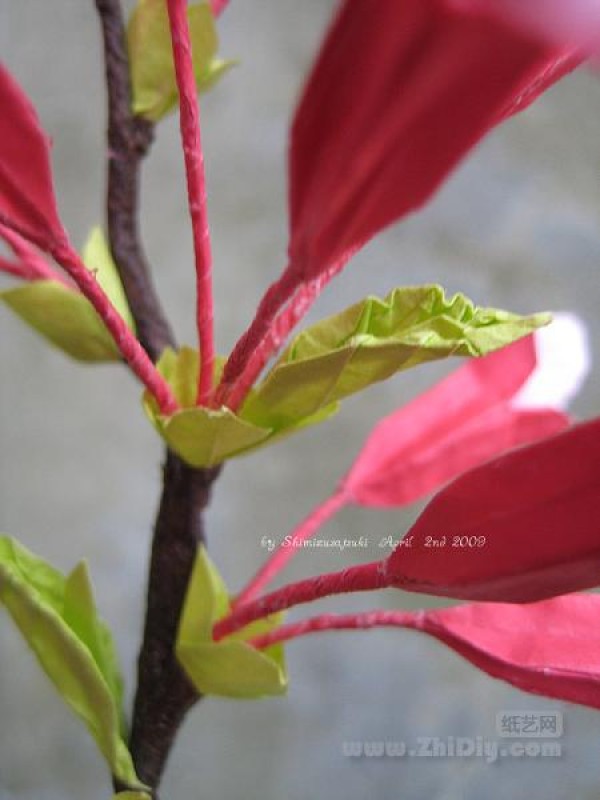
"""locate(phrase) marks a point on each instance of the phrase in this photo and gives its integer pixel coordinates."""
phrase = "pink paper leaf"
(399, 94)
(419, 447)
(401, 91)
(523, 527)
(27, 202)
(492, 404)
(550, 648)
(499, 429)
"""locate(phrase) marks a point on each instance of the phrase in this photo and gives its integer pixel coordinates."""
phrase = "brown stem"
(164, 694)
(129, 138)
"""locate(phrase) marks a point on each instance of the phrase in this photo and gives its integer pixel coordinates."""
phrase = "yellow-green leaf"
(206, 601)
(97, 258)
(343, 354)
(63, 315)
(230, 667)
(202, 437)
(58, 619)
(154, 87)
(371, 341)
(80, 614)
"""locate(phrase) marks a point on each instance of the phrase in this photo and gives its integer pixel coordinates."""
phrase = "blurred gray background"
(517, 226)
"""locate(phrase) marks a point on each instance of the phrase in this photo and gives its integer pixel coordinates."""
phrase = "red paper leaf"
(558, 21)
(420, 446)
(496, 431)
(27, 201)
(401, 91)
(550, 648)
(523, 527)
(491, 404)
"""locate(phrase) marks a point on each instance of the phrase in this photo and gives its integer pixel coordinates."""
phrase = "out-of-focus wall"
(518, 226)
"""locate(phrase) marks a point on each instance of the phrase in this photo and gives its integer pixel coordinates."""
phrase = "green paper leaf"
(63, 315)
(371, 341)
(80, 614)
(202, 437)
(154, 87)
(59, 621)
(343, 354)
(98, 258)
(230, 667)
(206, 600)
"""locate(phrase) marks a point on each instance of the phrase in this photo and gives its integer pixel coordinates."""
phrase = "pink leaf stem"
(379, 618)
(17, 269)
(273, 300)
(277, 334)
(360, 578)
(304, 531)
(131, 349)
(189, 118)
(31, 266)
